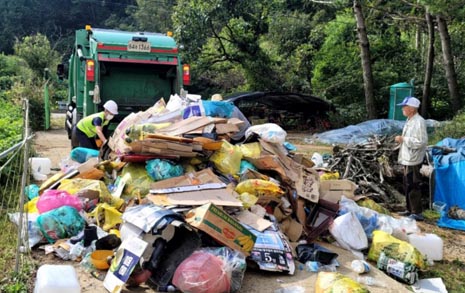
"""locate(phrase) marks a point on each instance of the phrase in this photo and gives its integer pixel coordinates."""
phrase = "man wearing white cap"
(412, 152)
(93, 126)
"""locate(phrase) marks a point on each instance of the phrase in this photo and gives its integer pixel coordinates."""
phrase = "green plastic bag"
(60, 223)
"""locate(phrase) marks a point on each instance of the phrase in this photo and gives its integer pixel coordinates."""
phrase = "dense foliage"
(10, 124)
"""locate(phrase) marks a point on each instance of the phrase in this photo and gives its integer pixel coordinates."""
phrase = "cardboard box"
(221, 226)
(122, 265)
(332, 190)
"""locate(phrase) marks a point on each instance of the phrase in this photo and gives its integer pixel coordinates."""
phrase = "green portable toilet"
(398, 92)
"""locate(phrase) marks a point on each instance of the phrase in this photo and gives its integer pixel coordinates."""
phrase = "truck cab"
(135, 69)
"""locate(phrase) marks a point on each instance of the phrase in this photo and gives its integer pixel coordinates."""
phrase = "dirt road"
(54, 144)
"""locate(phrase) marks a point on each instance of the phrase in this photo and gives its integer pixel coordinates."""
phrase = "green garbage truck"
(134, 69)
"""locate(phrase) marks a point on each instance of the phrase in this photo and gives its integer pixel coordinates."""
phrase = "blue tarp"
(360, 133)
(450, 180)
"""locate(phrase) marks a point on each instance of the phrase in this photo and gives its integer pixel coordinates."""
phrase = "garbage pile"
(186, 198)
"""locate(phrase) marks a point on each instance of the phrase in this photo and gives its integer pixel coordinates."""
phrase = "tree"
(448, 12)
(366, 60)
(228, 33)
(152, 17)
(37, 52)
(449, 67)
(429, 65)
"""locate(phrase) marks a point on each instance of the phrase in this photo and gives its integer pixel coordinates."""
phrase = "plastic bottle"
(370, 281)
(360, 266)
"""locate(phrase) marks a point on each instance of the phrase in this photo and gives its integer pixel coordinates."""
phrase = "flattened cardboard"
(252, 174)
(333, 190)
(141, 145)
(253, 220)
(308, 184)
(304, 180)
(220, 197)
(93, 173)
(236, 121)
(194, 178)
(190, 124)
(88, 165)
(223, 128)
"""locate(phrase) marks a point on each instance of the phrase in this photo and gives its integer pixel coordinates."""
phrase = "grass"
(11, 281)
(431, 215)
(451, 272)
(20, 282)
(57, 122)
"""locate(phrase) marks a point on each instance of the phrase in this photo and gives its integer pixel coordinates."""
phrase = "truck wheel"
(70, 113)
(74, 139)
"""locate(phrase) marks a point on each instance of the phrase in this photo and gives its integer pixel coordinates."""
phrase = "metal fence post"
(23, 181)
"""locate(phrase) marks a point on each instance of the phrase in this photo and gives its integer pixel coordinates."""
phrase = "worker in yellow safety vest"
(92, 126)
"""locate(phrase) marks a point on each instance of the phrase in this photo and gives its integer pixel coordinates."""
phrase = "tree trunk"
(366, 61)
(425, 101)
(449, 64)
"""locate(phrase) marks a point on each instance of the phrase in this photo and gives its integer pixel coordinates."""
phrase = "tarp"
(450, 180)
(362, 132)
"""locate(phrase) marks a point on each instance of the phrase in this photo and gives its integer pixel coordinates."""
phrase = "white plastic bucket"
(57, 279)
(40, 165)
(430, 245)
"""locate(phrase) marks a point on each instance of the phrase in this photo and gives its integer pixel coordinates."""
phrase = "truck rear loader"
(134, 69)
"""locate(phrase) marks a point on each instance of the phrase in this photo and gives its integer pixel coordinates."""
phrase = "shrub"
(454, 128)
(11, 123)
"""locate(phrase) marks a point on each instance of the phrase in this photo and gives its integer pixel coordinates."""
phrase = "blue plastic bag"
(60, 223)
(162, 169)
(81, 154)
(218, 108)
(32, 191)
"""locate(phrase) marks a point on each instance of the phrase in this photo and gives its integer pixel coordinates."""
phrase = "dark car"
(292, 111)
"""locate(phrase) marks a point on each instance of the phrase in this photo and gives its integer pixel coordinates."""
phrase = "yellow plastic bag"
(72, 186)
(227, 159)
(139, 182)
(31, 206)
(396, 249)
(248, 199)
(330, 176)
(251, 150)
(330, 282)
(106, 216)
(371, 204)
(259, 187)
(137, 132)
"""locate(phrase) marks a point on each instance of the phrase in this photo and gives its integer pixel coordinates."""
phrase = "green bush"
(11, 122)
(454, 128)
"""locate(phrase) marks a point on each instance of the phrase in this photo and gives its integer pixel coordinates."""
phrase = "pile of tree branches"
(372, 166)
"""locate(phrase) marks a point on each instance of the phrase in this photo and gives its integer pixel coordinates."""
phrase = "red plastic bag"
(202, 272)
(52, 199)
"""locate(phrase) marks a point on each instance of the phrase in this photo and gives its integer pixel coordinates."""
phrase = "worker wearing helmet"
(92, 126)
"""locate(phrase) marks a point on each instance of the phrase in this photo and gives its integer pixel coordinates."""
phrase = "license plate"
(135, 46)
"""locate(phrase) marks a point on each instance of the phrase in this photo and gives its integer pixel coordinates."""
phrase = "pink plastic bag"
(52, 199)
(202, 272)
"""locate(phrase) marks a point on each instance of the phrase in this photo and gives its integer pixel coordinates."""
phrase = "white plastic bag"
(356, 239)
(175, 103)
(32, 233)
(269, 132)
